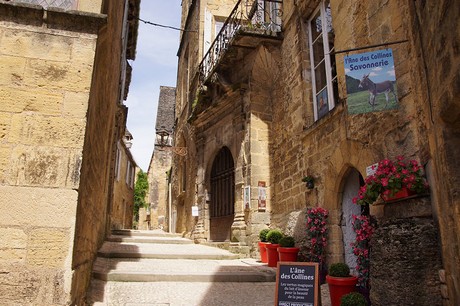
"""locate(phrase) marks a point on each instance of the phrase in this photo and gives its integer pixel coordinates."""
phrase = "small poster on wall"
(371, 82)
(247, 197)
(262, 199)
(195, 211)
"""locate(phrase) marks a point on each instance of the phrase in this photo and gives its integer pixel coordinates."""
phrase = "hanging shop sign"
(262, 199)
(371, 82)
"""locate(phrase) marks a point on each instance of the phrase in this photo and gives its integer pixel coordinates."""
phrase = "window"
(324, 75)
(218, 26)
(267, 14)
(118, 162)
(130, 174)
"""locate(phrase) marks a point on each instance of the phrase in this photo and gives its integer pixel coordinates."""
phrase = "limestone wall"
(45, 81)
(328, 148)
(281, 123)
(97, 170)
(405, 255)
(437, 35)
(158, 189)
(90, 6)
(424, 127)
(189, 58)
(121, 214)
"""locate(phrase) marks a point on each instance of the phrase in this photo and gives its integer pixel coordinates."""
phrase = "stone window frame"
(331, 87)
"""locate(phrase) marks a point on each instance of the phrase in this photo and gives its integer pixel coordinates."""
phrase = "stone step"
(103, 293)
(162, 251)
(137, 233)
(149, 239)
(185, 270)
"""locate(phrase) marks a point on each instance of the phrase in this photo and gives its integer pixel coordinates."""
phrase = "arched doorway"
(350, 190)
(222, 207)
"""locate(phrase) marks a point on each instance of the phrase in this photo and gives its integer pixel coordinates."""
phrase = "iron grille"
(223, 185)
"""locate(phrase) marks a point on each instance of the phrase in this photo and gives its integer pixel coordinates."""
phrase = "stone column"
(238, 231)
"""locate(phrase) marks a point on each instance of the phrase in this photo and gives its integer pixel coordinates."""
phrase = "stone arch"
(348, 155)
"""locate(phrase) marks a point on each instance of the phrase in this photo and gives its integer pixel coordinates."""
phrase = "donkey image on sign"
(377, 88)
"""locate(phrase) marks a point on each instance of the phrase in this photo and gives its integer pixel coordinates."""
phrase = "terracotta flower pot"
(403, 193)
(263, 251)
(272, 254)
(288, 254)
(339, 286)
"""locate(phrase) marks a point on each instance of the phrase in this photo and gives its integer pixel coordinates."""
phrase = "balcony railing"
(258, 16)
(63, 4)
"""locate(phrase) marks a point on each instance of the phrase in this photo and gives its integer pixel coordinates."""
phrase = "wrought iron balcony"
(257, 17)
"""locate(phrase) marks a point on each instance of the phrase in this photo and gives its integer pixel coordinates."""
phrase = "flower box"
(392, 175)
(402, 194)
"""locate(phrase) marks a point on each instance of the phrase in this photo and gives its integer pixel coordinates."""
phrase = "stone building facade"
(251, 114)
(121, 211)
(63, 78)
(160, 163)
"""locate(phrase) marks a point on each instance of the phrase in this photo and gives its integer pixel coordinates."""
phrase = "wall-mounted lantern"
(164, 142)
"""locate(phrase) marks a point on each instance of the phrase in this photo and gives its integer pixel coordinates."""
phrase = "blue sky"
(155, 66)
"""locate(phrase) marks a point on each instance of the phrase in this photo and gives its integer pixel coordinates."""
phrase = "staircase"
(157, 268)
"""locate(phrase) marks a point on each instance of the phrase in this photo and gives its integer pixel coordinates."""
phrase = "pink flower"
(384, 182)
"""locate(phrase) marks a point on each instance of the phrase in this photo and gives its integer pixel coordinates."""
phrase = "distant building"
(121, 213)
(63, 78)
(160, 163)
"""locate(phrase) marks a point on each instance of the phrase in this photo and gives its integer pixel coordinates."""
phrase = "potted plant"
(393, 180)
(262, 244)
(287, 250)
(273, 236)
(340, 282)
(353, 299)
(309, 181)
